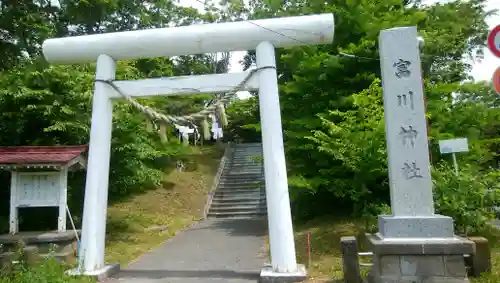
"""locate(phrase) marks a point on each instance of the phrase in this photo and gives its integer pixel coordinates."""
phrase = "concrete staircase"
(240, 191)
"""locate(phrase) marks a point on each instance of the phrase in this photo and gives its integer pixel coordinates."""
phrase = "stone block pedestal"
(268, 275)
(60, 245)
(100, 274)
(431, 260)
(434, 226)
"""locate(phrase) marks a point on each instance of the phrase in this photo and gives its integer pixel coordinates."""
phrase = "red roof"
(40, 154)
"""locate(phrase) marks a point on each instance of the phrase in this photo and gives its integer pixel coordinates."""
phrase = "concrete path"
(228, 250)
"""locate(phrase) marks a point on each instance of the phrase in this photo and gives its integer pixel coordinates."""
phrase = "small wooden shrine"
(39, 178)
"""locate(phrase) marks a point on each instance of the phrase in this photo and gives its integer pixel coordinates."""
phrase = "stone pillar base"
(430, 260)
(435, 226)
(268, 275)
(100, 274)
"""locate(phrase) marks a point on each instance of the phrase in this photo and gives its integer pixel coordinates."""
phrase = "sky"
(481, 70)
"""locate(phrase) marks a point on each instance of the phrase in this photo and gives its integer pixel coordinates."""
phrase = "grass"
(326, 259)
(179, 204)
(46, 271)
(325, 234)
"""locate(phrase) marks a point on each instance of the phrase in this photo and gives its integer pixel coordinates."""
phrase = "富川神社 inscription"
(406, 129)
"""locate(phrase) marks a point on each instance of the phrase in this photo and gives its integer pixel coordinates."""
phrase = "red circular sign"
(496, 80)
(494, 41)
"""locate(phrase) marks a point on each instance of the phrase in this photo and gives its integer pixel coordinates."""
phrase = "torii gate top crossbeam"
(194, 39)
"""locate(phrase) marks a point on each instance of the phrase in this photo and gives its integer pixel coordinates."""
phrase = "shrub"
(470, 197)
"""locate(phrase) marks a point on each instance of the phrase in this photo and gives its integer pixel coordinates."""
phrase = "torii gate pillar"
(262, 35)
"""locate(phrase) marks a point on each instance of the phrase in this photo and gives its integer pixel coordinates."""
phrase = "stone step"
(245, 160)
(231, 203)
(230, 199)
(236, 185)
(249, 186)
(244, 166)
(249, 157)
(244, 178)
(243, 175)
(229, 171)
(254, 194)
(235, 214)
(226, 202)
(252, 155)
(238, 197)
(65, 256)
(249, 144)
(239, 190)
(239, 208)
(254, 149)
(56, 246)
(243, 171)
(243, 186)
(226, 186)
(233, 163)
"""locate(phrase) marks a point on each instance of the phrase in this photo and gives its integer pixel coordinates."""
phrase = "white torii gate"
(261, 35)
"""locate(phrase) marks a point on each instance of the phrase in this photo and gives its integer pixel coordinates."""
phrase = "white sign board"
(38, 190)
(454, 145)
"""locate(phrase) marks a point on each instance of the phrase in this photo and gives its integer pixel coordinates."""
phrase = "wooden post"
(13, 216)
(63, 199)
(350, 261)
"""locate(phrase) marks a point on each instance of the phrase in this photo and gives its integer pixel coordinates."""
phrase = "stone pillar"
(279, 215)
(413, 244)
(480, 260)
(350, 260)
